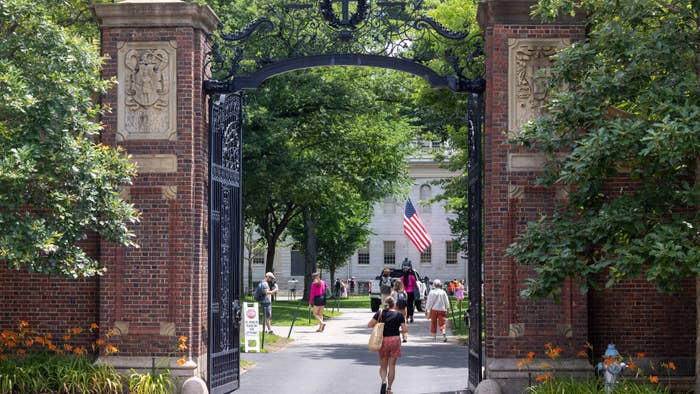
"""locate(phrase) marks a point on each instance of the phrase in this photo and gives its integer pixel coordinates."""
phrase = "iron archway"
(306, 34)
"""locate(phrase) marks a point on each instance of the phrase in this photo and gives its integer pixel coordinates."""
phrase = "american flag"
(414, 229)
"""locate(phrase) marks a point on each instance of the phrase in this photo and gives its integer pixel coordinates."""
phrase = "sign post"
(251, 327)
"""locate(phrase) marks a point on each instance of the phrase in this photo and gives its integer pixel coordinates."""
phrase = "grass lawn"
(283, 311)
(456, 318)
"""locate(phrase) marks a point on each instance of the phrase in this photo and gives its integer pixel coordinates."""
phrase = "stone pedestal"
(152, 295)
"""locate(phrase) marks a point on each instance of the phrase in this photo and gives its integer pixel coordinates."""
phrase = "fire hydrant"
(613, 367)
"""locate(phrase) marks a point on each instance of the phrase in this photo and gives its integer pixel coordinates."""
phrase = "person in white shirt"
(436, 308)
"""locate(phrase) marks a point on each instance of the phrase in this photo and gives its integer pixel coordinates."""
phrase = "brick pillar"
(153, 294)
(516, 47)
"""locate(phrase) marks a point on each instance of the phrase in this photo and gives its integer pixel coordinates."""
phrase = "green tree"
(310, 130)
(442, 114)
(56, 182)
(342, 227)
(631, 108)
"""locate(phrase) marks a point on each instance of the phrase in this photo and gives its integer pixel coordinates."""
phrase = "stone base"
(513, 380)
(124, 365)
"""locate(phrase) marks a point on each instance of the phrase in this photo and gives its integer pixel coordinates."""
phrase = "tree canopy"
(312, 133)
(626, 107)
(56, 182)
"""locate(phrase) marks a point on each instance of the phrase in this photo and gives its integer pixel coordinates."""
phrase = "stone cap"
(517, 12)
(156, 13)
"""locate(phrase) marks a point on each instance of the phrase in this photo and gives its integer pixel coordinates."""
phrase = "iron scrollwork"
(388, 29)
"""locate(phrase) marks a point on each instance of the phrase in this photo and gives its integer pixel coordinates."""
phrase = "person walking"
(411, 286)
(269, 287)
(317, 299)
(436, 309)
(385, 283)
(390, 351)
(400, 297)
(459, 292)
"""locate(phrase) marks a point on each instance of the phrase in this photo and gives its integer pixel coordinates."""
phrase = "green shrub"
(571, 386)
(156, 382)
(51, 373)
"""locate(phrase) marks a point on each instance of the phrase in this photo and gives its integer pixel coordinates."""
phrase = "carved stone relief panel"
(529, 62)
(146, 108)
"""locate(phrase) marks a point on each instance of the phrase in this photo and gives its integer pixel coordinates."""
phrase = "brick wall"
(633, 315)
(50, 304)
(164, 281)
(510, 201)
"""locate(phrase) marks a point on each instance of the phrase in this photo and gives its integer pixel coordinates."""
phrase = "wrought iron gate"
(474, 195)
(312, 33)
(225, 240)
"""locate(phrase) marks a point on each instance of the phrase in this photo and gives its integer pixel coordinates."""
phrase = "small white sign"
(251, 326)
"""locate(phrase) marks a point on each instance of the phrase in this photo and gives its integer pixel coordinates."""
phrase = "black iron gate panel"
(474, 193)
(225, 239)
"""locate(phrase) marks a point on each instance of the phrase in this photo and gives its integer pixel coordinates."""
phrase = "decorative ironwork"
(344, 32)
(348, 21)
(313, 33)
(475, 212)
(225, 228)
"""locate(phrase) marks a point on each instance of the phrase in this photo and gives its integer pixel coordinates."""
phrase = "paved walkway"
(337, 361)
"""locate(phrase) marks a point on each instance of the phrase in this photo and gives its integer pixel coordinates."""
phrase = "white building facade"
(388, 246)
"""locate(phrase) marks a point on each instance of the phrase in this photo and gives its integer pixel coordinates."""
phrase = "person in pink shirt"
(317, 299)
(410, 285)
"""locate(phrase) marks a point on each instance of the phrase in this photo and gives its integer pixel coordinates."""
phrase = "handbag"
(377, 336)
(327, 291)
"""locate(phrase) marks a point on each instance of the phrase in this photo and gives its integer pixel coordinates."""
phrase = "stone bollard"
(488, 387)
(194, 385)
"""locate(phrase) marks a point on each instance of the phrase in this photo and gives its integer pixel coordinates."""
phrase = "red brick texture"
(163, 281)
(634, 315)
(49, 304)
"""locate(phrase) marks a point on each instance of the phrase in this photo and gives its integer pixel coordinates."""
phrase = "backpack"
(259, 293)
(401, 300)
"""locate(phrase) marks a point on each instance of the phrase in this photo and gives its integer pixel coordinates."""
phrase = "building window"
(389, 252)
(425, 196)
(426, 257)
(450, 252)
(389, 205)
(363, 254)
(258, 256)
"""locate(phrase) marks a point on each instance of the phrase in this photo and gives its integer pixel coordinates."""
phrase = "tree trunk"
(310, 252)
(250, 263)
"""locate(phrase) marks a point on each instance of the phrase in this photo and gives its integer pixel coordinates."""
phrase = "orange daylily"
(654, 379)
(94, 326)
(582, 353)
(632, 366)
(76, 330)
(671, 365)
(68, 347)
(543, 377)
(181, 361)
(109, 349)
(183, 338)
(182, 346)
(641, 355)
(608, 361)
(66, 337)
